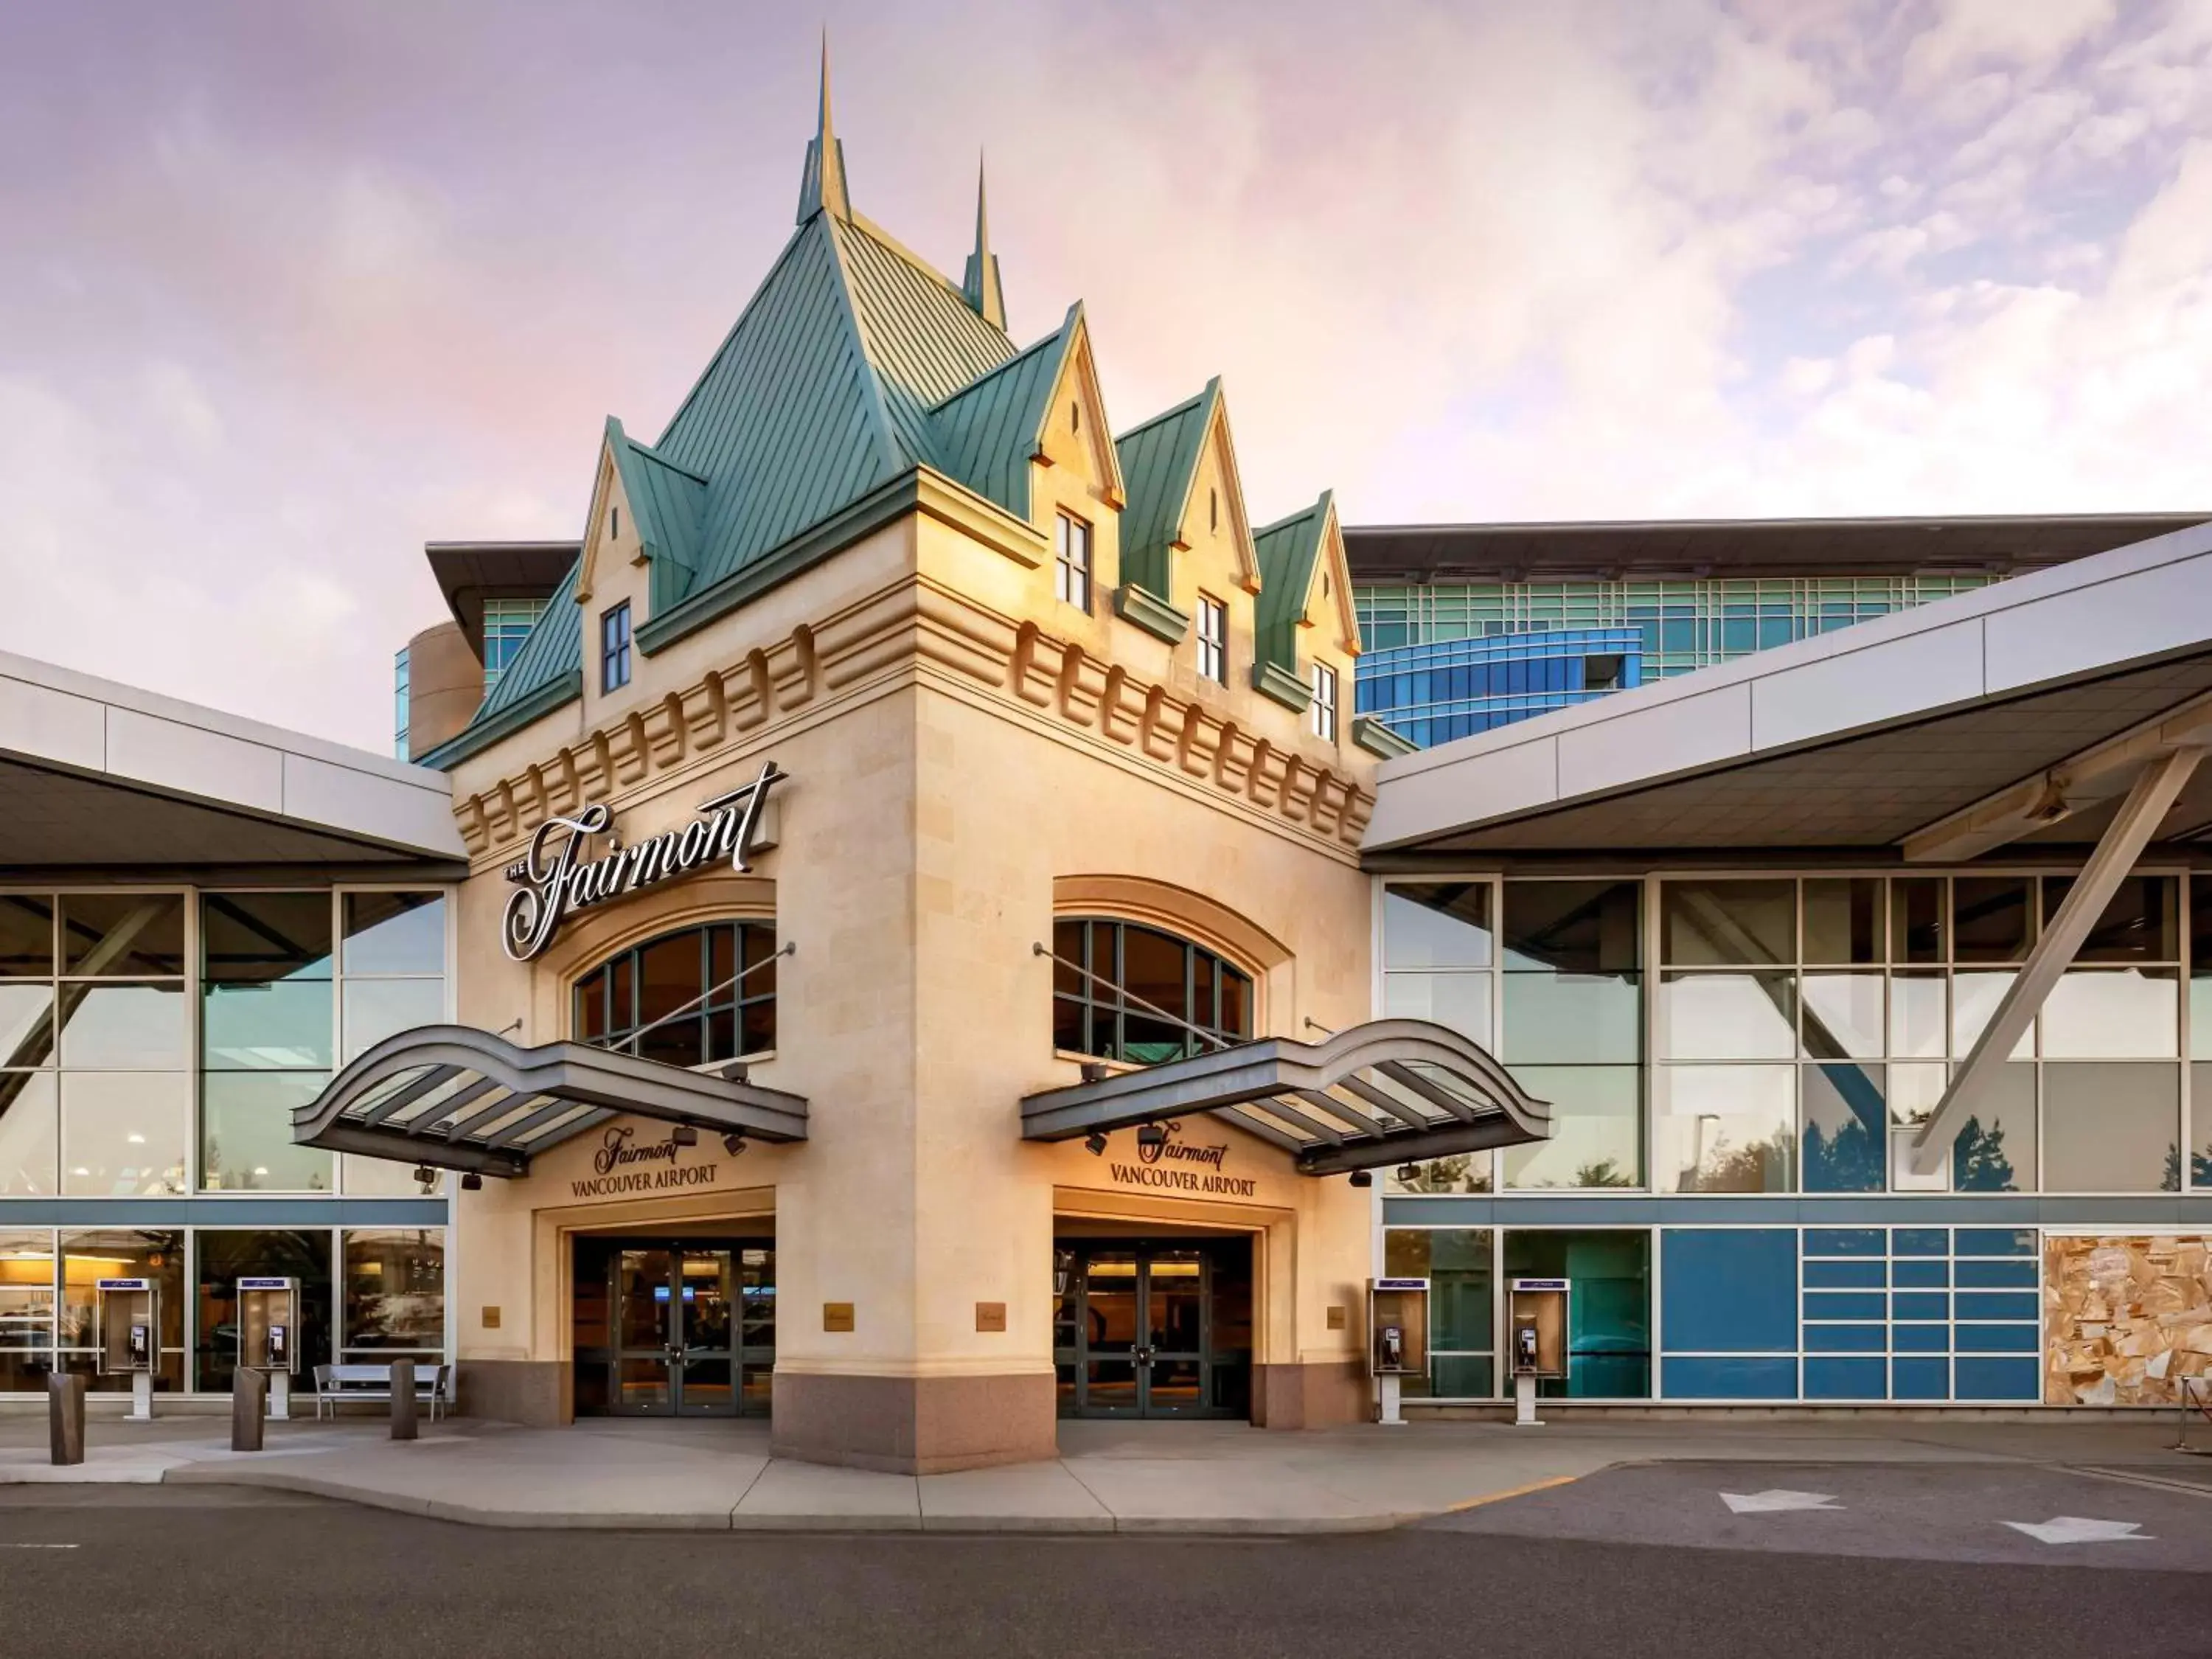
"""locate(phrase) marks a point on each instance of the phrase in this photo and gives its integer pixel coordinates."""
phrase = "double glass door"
(1149, 1330)
(690, 1330)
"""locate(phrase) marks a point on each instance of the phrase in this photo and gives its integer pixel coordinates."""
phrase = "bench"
(334, 1385)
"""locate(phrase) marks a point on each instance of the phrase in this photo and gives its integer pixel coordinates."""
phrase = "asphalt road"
(188, 1571)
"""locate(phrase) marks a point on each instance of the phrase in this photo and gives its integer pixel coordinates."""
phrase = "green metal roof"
(1159, 462)
(1287, 550)
(667, 503)
(988, 432)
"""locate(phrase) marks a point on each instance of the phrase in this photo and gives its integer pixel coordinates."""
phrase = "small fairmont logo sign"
(554, 879)
(615, 1167)
(1184, 1160)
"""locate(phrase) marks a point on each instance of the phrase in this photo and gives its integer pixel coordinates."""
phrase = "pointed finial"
(823, 184)
(980, 283)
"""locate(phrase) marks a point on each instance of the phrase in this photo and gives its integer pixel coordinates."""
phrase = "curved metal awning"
(1386, 1092)
(457, 1098)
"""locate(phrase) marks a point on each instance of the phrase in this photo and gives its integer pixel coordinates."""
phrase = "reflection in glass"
(395, 1289)
(1725, 923)
(395, 933)
(1919, 1026)
(2112, 1128)
(1437, 925)
(253, 939)
(124, 1133)
(1712, 1015)
(1727, 1129)
(1991, 918)
(87, 1257)
(26, 1030)
(1846, 1119)
(2121, 1013)
(30, 1134)
(26, 1301)
(2200, 1094)
(1573, 927)
(224, 1256)
(1608, 1306)
(1995, 1150)
(285, 1024)
(1843, 1016)
(1974, 999)
(374, 1009)
(1915, 919)
(386, 1177)
(246, 1142)
(1462, 1172)
(1456, 1262)
(123, 935)
(27, 936)
(1597, 1137)
(1567, 1018)
(2139, 923)
(1915, 1089)
(1843, 919)
(1460, 1001)
(124, 1026)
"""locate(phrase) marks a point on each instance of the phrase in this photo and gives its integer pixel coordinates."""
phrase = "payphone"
(1397, 1338)
(1536, 1345)
(269, 1336)
(127, 1332)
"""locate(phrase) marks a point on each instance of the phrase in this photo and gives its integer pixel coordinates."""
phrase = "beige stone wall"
(2125, 1317)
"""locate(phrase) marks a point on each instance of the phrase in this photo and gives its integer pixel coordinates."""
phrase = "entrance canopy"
(1386, 1092)
(457, 1098)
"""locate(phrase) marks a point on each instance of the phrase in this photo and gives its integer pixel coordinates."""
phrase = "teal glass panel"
(1843, 1275)
(1920, 1379)
(1846, 1379)
(1983, 1378)
(1845, 1339)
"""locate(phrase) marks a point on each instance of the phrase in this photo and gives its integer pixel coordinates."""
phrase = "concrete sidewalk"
(1208, 1478)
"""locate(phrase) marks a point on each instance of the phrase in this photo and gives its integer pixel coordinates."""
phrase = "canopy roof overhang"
(455, 1097)
(2012, 718)
(1388, 1091)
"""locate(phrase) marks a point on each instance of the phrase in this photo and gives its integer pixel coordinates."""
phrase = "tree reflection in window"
(679, 999)
(1136, 974)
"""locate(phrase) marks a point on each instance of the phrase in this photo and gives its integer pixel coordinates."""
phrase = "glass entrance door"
(1140, 1329)
(673, 1329)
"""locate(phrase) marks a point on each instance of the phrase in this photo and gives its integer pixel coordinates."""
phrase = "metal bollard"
(65, 1417)
(402, 1399)
(249, 1402)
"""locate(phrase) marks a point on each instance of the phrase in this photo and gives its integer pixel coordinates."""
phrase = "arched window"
(679, 998)
(1135, 973)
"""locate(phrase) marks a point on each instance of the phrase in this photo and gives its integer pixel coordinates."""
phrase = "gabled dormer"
(1034, 430)
(1306, 613)
(1186, 498)
(645, 513)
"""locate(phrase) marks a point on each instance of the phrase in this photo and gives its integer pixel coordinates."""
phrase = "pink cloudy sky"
(287, 290)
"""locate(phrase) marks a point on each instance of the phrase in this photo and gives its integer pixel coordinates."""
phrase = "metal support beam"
(2076, 784)
(2137, 820)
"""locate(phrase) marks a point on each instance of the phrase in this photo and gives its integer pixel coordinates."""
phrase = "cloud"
(2033, 35)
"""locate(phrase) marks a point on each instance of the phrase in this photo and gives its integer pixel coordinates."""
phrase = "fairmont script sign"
(553, 878)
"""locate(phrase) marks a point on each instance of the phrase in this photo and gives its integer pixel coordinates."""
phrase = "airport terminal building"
(917, 941)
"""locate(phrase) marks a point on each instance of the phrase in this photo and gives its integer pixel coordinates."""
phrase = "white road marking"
(1776, 1498)
(2080, 1529)
(38, 1547)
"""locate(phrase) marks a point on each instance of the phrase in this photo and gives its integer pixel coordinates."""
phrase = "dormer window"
(1213, 639)
(1071, 565)
(1321, 712)
(614, 648)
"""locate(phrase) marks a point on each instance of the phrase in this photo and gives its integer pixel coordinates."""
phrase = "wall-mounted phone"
(126, 1327)
(1397, 1338)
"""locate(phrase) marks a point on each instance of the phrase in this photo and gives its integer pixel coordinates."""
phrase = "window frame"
(1213, 639)
(733, 1002)
(1073, 560)
(1321, 712)
(614, 652)
(1091, 1001)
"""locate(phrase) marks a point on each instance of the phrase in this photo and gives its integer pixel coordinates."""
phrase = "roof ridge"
(1166, 414)
(1319, 504)
(651, 454)
(892, 244)
(856, 335)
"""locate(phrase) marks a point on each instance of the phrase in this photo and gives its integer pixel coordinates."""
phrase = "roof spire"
(980, 283)
(823, 184)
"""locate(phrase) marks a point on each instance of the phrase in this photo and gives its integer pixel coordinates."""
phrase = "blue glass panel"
(1920, 1275)
(1996, 1241)
(1843, 1275)
(1994, 1379)
(1846, 1379)
(1843, 1241)
(1996, 1338)
(1920, 1240)
(1920, 1338)
(1728, 1289)
(1999, 1305)
(1844, 1304)
(1847, 1339)
(1920, 1379)
(1995, 1275)
(1702, 1377)
(1923, 1304)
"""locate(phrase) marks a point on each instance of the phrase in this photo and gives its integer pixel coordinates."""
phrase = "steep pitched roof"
(988, 432)
(1288, 548)
(1160, 464)
(667, 503)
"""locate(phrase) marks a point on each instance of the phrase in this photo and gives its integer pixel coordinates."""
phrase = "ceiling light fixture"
(1096, 1140)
